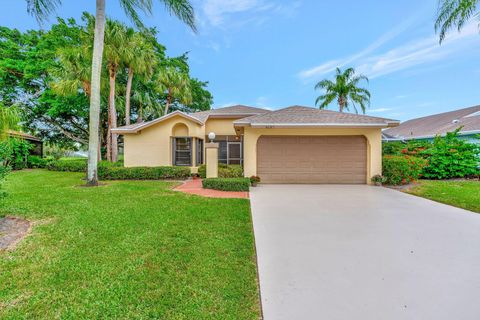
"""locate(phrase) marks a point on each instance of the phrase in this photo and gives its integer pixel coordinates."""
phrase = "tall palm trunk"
(127, 97)
(93, 139)
(341, 103)
(112, 138)
(169, 101)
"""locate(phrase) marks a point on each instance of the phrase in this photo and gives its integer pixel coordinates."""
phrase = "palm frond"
(324, 84)
(453, 13)
(183, 10)
(325, 100)
(42, 9)
(9, 119)
(131, 8)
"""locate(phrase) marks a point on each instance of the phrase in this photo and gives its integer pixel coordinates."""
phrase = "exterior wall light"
(211, 136)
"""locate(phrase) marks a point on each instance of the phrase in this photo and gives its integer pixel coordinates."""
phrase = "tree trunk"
(93, 140)
(140, 113)
(112, 138)
(341, 103)
(169, 100)
(127, 97)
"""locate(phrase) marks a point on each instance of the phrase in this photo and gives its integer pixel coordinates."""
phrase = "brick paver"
(194, 186)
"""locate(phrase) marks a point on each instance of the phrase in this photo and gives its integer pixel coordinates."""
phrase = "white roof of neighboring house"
(439, 124)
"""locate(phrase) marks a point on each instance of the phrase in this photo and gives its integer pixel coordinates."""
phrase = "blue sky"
(270, 53)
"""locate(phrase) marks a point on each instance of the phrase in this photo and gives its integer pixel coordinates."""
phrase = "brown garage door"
(312, 159)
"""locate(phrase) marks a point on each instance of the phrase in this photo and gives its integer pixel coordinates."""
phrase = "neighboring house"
(37, 143)
(426, 128)
(291, 145)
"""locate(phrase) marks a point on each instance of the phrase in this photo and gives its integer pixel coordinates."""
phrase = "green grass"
(126, 250)
(462, 194)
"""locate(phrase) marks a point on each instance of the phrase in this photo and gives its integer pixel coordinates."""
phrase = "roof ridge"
(445, 113)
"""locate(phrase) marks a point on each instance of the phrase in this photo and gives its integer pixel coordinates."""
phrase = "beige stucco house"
(291, 145)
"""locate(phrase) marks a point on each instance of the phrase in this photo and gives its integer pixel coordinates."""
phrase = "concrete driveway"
(360, 252)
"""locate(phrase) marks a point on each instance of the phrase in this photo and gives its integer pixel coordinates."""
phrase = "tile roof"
(23, 135)
(200, 117)
(307, 116)
(439, 124)
(237, 110)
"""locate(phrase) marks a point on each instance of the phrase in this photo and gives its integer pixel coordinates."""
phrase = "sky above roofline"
(270, 54)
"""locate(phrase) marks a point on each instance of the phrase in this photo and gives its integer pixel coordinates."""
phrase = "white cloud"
(224, 105)
(261, 102)
(411, 54)
(217, 12)
(330, 66)
(378, 110)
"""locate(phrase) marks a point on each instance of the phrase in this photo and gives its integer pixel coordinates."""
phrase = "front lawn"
(126, 250)
(462, 194)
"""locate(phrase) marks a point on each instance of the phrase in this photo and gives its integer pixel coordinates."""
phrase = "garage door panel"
(312, 159)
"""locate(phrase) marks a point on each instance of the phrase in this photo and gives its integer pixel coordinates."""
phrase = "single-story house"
(37, 143)
(291, 145)
(427, 128)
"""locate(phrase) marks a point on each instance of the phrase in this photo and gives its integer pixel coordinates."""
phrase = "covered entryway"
(312, 159)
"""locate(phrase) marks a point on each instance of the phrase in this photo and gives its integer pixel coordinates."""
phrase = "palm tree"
(9, 119)
(139, 59)
(454, 13)
(176, 85)
(345, 90)
(73, 72)
(41, 9)
(115, 44)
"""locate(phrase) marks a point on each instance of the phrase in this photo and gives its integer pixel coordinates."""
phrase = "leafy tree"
(176, 85)
(345, 90)
(43, 8)
(454, 13)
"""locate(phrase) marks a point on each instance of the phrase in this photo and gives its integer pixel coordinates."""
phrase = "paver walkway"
(194, 186)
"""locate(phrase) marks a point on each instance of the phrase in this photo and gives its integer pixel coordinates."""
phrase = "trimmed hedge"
(143, 173)
(227, 184)
(78, 165)
(116, 171)
(402, 169)
(35, 162)
(224, 171)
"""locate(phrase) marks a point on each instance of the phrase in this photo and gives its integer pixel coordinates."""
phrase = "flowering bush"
(402, 169)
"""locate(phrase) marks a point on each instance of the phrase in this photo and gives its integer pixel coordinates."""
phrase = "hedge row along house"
(292, 145)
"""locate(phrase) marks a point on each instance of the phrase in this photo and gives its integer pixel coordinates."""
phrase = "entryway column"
(211, 159)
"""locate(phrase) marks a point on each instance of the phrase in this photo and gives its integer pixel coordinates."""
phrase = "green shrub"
(450, 157)
(78, 165)
(412, 148)
(224, 171)
(142, 173)
(34, 162)
(227, 184)
(402, 169)
(3, 173)
(14, 153)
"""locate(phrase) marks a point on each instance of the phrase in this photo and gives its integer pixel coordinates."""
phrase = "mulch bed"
(12, 230)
